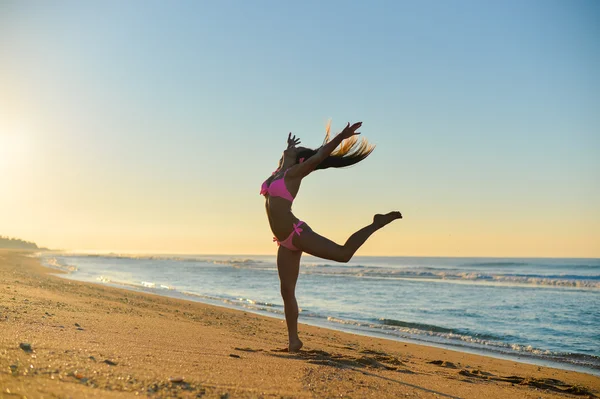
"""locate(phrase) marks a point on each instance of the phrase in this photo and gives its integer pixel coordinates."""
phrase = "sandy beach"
(61, 338)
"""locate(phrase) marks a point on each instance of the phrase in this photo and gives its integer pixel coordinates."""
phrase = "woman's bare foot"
(380, 220)
(295, 345)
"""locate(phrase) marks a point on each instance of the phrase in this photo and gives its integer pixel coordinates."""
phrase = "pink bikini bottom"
(288, 241)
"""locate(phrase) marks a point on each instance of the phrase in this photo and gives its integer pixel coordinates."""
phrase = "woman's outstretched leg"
(317, 245)
(288, 266)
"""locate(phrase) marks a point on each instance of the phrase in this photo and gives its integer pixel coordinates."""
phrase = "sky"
(149, 126)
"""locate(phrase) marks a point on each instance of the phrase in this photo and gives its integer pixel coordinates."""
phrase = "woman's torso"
(279, 209)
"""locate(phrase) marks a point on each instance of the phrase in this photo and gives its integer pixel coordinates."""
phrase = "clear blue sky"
(150, 125)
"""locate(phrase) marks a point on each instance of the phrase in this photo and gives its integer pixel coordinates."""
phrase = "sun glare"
(13, 149)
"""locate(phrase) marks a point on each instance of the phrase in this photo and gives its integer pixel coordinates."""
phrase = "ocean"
(541, 311)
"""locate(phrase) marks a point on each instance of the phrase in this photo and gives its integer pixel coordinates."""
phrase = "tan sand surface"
(89, 340)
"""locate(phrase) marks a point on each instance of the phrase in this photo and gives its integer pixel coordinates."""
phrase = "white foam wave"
(428, 335)
(55, 263)
(565, 281)
(233, 261)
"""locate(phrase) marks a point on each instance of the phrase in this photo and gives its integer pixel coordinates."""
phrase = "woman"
(295, 236)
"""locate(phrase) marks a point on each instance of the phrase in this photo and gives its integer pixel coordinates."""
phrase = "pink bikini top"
(277, 189)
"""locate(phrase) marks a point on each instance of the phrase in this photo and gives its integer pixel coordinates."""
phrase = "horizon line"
(164, 253)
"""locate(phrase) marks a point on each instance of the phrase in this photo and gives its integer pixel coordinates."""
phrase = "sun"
(14, 148)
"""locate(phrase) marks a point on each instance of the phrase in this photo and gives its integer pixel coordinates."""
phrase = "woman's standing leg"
(288, 266)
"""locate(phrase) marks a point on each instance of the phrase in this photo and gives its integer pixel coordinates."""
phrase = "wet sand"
(61, 338)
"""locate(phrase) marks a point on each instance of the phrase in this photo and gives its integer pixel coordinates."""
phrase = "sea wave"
(178, 258)
(59, 264)
(149, 286)
(436, 334)
(556, 280)
(258, 303)
(224, 261)
(419, 326)
(432, 333)
(534, 263)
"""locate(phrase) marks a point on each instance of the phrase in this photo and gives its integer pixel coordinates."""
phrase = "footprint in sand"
(443, 363)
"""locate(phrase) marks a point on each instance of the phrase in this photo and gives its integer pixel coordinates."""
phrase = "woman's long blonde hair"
(349, 152)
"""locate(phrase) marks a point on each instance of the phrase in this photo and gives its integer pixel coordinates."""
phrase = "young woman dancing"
(293, 235)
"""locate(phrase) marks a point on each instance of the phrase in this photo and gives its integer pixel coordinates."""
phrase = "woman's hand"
(350, 131)
(292, 141)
